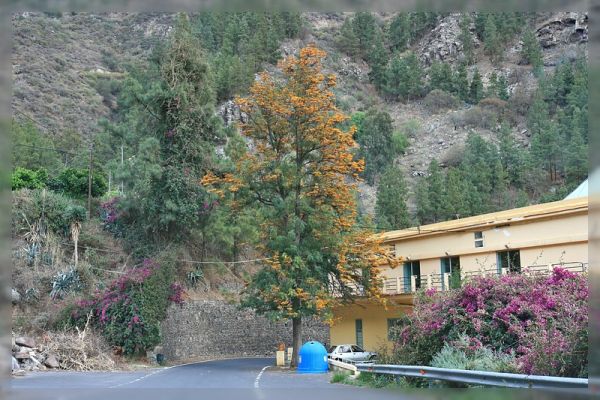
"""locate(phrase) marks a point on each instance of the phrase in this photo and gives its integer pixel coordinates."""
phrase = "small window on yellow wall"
(478, 239)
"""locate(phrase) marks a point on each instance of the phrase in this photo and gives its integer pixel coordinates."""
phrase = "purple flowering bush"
(541, 321)
(129, 310)
(111, 217)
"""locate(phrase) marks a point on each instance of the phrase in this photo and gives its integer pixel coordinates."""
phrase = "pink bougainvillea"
(542, 320)
(129, 310)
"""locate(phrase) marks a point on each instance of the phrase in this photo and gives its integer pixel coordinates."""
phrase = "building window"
(393, 325)
(451, 266)
(478, 239)
(412, 268)
(511, 260)
(359, 333)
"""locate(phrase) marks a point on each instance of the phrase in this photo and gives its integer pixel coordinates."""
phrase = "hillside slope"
(63, 65)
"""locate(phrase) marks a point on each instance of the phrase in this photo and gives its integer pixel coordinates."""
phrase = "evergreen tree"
(169, 128)
(502, 91)
(492, 89)
(348, 41)
(491, 40)
(531, 52)
(538, 115)
(461, 83)
(365, 29)
(404, 77)
(546, 149)
(440, 76)
(480, 21)
(390, 208)
(454, 198)
(476, 88)
(576, 167)
(375, 137)
(511, 156)
(435, 191)
(378, 59)
(422, 200)
(466, 39)
(399, 32)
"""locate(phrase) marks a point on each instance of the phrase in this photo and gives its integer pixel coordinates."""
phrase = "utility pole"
(90, 181)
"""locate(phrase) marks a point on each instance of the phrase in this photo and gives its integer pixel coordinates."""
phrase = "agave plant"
(195, 276)
(64, 283)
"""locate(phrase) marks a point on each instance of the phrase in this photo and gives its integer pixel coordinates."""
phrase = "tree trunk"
(296, 340)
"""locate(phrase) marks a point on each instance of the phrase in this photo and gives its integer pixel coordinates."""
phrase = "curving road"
(244, 378)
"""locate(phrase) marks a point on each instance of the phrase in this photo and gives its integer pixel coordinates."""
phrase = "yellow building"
(442, 255)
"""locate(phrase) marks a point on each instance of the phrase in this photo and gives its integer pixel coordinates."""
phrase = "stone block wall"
(216, 329)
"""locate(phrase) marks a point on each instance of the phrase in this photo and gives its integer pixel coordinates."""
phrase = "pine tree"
(491, 40)
(480, 21)
(466, 39)
(365, 27)
(375, 137)
(502, 88)
(511, 156)
(440, 76)
(348, 41)
(170, 128)
(390, 208)
(435, 191)
(454, 198)
(399, 32)
(492, 89)
(476, 88)
(378, 59)
(576, 167)
(461, 83)
(531, 52)
(538, 115)
(546, 149)
(422, 200)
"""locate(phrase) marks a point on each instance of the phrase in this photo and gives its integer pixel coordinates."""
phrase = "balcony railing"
(445, 281)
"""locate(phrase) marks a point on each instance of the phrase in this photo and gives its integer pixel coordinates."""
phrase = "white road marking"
(142, 377)
(259, 376)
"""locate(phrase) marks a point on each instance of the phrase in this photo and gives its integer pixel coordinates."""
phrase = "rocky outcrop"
(562, 36)
(442, 43)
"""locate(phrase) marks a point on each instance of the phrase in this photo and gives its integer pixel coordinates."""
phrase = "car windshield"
(357, 349)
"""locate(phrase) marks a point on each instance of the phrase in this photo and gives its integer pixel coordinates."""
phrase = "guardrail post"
(428, 281)
(446, 280)
(399, 287)
(384, 288)
(413, 283)
(503, 271)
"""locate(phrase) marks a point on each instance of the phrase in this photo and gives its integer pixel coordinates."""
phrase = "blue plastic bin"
(312, 358)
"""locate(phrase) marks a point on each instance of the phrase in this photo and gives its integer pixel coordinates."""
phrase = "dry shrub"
(500, 108)
(476, 117)
(453, 156)
(82, 350)
(438, 100)
(520, 100)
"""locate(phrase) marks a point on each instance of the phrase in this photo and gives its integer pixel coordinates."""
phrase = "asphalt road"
(244, 378)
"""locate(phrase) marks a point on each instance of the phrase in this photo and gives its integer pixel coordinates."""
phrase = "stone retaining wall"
(216, 329)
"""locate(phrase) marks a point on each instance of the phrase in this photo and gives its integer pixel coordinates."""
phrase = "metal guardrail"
(483, 378)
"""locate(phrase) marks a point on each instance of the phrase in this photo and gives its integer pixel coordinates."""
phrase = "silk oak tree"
(301, 172)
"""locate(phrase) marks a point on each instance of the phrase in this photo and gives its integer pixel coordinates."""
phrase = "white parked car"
(350, 353)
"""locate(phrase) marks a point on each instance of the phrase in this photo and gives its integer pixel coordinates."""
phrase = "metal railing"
(408, 285)
(480, 378)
